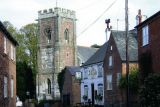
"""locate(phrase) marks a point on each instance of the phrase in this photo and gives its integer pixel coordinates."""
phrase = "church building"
(57, 49)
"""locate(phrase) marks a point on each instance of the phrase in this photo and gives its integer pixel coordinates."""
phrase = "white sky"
(22, 12)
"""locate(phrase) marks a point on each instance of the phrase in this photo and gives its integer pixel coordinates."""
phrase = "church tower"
(57, 49)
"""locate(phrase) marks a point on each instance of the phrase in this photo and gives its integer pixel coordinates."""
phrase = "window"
(100, 71)
(66, 35)
(47, 32)
(86, 90)
(145, 36)
(85, 73)
(118, 78)
(12, 52)
(5, 89)
(49, 86)
(110, 61)
(109, 82)
(111, 48)
(100, 89)
(12, 88)
(5, 45)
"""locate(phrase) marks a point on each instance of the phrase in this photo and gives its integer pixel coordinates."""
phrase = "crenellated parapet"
(56, 11)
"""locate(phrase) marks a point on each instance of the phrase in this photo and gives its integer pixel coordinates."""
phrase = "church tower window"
(66, 35)
(49, 86)
(47, 32)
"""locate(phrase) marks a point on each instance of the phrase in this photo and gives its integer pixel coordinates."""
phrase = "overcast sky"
(22, 12)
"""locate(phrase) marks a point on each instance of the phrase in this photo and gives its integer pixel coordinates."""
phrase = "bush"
(150, 91)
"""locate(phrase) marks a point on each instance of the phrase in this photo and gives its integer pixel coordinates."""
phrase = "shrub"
(150, 91)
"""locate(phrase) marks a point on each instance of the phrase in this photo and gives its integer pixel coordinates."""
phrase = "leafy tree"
(24, 80)
(95, 46)
(150, 91)
(26, 56)
(61, 80)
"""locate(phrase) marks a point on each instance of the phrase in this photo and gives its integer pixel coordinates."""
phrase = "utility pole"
(127, 57)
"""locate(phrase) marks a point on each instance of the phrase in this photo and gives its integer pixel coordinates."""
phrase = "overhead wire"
(97, 18)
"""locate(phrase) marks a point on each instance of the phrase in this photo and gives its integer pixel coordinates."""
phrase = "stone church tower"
(57, 49)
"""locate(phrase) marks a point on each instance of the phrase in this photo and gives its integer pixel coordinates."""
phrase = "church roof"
(119, 38)
(85, 52)
(98, 56)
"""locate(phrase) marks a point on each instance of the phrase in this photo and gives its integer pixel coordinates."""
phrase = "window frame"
(110, 61)
(5, 87)
(109, 82)
(145, 35)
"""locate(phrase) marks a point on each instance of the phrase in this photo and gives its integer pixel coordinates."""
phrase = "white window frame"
(100, 71)
(5, 88)
(12, 88)
(12, 54)
(109, 82)
(85, 73)
(5, 45)
(86, 90)
(145, 35)
(110, 61)
(100, 89)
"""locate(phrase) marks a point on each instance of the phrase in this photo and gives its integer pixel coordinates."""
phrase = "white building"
(92, 78)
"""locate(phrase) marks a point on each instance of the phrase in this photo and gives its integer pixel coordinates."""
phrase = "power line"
(96, 19)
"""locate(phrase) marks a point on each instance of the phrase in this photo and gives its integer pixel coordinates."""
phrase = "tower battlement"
(56, 11)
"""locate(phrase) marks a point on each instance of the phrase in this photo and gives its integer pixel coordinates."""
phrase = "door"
(92, 93)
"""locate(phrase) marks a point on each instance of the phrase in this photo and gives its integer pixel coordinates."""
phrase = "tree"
(133, 81)
(61, 79)
(26, 56)
(95, 46)
(150, 91)
(24, 80)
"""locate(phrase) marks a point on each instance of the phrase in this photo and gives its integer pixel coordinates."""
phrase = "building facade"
(71, 87)
(115, 66)
(92, 78)
(7, 68)
(149, 45)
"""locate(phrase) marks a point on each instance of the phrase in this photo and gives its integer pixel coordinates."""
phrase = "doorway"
(92, 93)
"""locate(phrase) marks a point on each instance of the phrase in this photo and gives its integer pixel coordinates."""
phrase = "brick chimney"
(108, 29)
(139, 17)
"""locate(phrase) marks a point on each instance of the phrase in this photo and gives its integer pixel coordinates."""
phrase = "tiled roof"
(119, 38)
(85, 52)
(73, 69)
(98, 56)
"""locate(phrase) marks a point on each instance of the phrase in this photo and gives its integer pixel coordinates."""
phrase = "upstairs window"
(85, 73)
(110, 61)
(5, 45)
(145, 35)
(100, 71)
(66, 35)
(109, 82)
